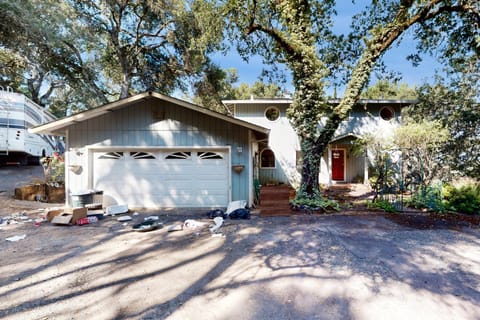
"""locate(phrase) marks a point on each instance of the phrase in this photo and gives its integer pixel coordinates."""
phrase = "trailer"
(17, 145)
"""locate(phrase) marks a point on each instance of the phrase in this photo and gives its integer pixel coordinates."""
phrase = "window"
(387, 113)
(267, 159)
(209, 155)
(142, 155)
(179, 155)
(272, 113)
(111, 155)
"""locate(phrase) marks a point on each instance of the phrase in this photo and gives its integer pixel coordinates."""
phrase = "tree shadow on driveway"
(303, 267)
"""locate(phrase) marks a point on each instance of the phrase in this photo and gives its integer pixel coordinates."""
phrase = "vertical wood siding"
(155, 123)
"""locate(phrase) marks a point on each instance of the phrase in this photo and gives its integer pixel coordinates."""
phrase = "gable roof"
(59, 127)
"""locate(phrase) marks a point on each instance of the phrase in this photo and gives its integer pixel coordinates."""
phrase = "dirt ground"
(351, 265)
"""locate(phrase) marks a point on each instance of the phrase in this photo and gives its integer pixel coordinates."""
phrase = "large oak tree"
(299, 34)
(101, 50)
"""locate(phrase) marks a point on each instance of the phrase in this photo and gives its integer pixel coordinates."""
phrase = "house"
(278, 159)
(153, 151)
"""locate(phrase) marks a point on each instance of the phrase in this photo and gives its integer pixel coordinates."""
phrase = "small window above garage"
(209, 155)
(180, 155)
(111, 155)
(142, 155)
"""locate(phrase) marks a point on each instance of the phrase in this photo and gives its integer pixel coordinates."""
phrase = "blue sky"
(395, 58)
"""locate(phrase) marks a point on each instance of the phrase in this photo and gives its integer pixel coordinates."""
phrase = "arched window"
(267, 159)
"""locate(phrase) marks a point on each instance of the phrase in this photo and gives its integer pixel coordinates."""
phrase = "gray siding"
(363, 119)
(155, 123)
(272, 176)
(255, 113)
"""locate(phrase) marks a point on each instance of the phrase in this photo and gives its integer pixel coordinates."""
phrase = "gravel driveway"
(345, 266)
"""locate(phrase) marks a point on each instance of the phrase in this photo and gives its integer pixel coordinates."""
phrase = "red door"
(338, 165)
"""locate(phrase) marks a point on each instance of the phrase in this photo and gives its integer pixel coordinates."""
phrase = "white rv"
(17, 145)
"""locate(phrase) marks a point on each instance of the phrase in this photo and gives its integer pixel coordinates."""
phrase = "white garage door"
(186, 178)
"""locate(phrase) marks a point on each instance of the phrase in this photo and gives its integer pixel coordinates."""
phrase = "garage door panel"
(163, 178)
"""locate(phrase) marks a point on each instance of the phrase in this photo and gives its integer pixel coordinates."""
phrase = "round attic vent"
(387, 113)
(272, 113)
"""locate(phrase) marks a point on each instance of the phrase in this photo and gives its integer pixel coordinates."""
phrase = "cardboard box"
(50, 213)
(70, 216)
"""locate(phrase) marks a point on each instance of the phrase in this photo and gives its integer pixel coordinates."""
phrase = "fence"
(402, 184)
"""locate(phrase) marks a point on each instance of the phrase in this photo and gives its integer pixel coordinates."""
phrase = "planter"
(238, 168)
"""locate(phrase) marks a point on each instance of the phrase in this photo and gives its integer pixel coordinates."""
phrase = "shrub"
(54, 168)
(382, 204)
(318, 203)
(465, 199)
(429, 197)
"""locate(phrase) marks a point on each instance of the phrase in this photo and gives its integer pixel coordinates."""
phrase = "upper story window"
(272, 113)
(387, 113)
(267, 159)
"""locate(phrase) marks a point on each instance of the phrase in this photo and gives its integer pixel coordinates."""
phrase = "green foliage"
(317, 203)
(258, 90)
(421, 145)
(382, 204)
(383, 89)
(217, 85)
(298, 33)
(454, 105)
(54, 168)
(82, 53)
(428, 197)
(465, 199)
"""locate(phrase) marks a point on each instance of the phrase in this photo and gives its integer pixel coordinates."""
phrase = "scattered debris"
(92, 219)
(16, 218)
(135, 214)
(217, 235)
(82, 221)
(216, 213)
(124, 218)
(193, 224)
(147, 225)
(234, 205)
(175, 227)
(116, 209)
(93, 206)
(218, 223)
(16, 238)
(70, 216)
(50, 213)
(95, 213)
(240, 214)
(153, 218)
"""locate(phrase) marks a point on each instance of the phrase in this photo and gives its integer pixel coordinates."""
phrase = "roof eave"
(59, 127)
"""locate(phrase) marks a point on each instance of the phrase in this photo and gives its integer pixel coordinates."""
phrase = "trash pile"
(84, 216)
(15, 218)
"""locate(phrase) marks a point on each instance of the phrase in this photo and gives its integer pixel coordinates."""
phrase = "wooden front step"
(275, 200)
